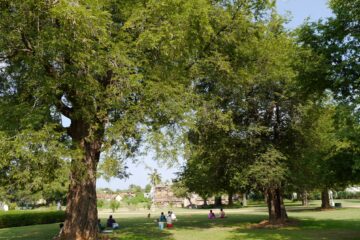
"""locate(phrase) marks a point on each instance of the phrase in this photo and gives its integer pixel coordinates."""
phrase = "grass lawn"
(194, 225)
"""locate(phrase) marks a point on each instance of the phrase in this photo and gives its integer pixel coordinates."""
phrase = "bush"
(26, 218)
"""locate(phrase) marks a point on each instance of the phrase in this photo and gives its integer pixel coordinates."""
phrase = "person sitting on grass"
(211, 215)
(222, 213)
(112, 223)
(100, 227)
(57, 237)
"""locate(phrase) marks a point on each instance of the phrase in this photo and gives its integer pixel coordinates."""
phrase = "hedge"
(26, 218)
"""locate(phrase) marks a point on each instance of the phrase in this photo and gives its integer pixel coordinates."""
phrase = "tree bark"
(189, 199)
(218, 201)
(276, 207)
(81, 210)
(244, 200)
(304, 198)
(230, 199)
(325, 201)
(205, 201)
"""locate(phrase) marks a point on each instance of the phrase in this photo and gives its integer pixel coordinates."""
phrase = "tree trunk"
(304, 198)
(81, 210)
(230, 199)
(244, 200)
(205, 201)
(325, 201)
(276, 207)
(218, 201)
(189, 199)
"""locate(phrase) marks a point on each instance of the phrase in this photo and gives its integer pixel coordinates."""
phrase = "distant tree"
(154, 177)
(180, 190)
(133, 188)
(147, 188)
(114, 205)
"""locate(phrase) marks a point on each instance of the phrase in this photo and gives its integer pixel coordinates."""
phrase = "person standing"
(162, 221)
(169, 223)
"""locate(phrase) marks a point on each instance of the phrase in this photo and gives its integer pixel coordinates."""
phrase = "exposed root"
(265, 224)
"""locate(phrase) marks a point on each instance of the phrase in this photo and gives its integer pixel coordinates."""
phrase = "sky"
(299, 10)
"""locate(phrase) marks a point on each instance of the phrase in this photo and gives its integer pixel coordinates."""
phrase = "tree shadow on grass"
(307, 229)
(239, 225)
(34, 232)
(140, 228)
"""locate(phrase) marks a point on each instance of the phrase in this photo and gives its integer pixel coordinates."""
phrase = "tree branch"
(63, 109)
(212, 39)
(27, 43)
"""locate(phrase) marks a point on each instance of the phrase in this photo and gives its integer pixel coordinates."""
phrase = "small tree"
(114, 205)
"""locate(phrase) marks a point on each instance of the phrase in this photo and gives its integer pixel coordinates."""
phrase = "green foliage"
(180, 190)
(154, 178)
(269, 169)
(12, 206)
(25, 218)
(147, 188)
(135, 189)
(336, 40)
(100, 203)
(114, 205)
(36, 162)
(139, 200)
(347, 195)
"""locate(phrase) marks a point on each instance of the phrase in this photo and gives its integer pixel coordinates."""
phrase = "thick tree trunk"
(304, 198)
(325, 201)
(81, 210)
(244, 200)
(276, 207)
(230, 199)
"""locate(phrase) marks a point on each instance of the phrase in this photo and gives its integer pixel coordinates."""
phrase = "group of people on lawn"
(110, 223)
(169, 219)
(211, 214)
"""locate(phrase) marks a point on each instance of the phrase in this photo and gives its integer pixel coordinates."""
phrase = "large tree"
(336, 40)
(111, 67)
(249, 78)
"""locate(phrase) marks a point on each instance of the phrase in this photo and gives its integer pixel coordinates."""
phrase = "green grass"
(194, 225)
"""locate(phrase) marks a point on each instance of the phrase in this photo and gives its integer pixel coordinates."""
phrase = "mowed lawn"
(193, 225)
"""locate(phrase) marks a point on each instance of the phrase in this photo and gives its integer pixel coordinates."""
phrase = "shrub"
(26, 218)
